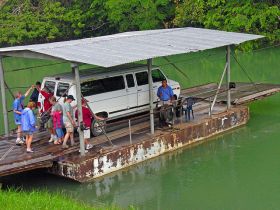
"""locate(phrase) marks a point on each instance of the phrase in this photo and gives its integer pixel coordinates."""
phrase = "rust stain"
(125, 156)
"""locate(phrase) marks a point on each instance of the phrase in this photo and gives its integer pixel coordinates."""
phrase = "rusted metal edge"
(256, 96)
(121, 158)
(26, 163)
(45, 164)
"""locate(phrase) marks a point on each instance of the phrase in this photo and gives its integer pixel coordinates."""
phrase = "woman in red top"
(87, 119)
(46, 104)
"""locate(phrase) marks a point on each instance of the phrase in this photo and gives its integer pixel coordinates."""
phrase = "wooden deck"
(241, 94)
(14, 159)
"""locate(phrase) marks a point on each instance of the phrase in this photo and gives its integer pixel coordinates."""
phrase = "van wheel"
(97, 127)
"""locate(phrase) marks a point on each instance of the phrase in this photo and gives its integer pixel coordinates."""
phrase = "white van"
(112, 92)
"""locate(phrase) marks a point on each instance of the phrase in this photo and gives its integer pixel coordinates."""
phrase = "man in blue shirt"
(165, 92)
(166, 95)
(18, 106)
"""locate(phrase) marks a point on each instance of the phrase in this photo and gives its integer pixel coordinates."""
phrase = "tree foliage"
(248, 16)
(139, 14)
(37, 21)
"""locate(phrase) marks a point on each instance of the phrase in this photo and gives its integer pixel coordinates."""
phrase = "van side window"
(142, 78)
(102, 85)
(113, 83)
(92, 88)
(157, 75)
(50, 85)
(62, 89)
(129, 80)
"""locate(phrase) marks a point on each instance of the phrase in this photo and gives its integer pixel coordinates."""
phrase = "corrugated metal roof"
(130, 47)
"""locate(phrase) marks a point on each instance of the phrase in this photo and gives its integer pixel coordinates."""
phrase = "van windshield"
(102, 85)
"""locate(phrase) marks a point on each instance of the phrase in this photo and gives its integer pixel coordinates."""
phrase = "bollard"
(210, 111)
(129, 126)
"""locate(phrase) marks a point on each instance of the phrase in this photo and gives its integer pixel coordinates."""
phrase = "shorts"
(49, 123)
(69, 127)
(59, 132)
(18, 121)
(87, 133)
(30, 133)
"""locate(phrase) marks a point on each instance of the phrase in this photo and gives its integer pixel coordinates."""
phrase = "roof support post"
(75, 69)
(151, 97)
(228, 77)
(3, 95)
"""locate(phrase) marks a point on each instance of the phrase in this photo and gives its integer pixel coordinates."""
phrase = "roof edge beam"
(28, 54)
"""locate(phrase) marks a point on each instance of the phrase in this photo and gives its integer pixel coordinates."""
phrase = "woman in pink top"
(56, 113)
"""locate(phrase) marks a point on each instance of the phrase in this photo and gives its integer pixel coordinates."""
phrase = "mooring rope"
(246, 73)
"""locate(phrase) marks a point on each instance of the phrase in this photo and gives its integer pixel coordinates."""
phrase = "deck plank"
(243, 93)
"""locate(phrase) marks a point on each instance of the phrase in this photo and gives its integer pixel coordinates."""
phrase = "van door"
(61, 91)
(157, 76)
(51, 86)
(142, 89)
(107, 95)
(143, 86)
(131, 90)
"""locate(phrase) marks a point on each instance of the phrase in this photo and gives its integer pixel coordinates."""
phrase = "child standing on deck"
(28, 122)
(56, 114)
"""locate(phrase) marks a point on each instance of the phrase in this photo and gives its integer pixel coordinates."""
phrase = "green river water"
(237, 170)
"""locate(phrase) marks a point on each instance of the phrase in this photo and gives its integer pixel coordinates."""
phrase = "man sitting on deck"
(166, 95)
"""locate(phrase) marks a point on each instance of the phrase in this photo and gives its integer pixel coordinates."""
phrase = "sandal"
(29, 151)
(57, 142)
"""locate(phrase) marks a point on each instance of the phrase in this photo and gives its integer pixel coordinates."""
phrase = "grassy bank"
(38, 200)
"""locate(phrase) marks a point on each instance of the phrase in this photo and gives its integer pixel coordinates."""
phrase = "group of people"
(58, 119)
